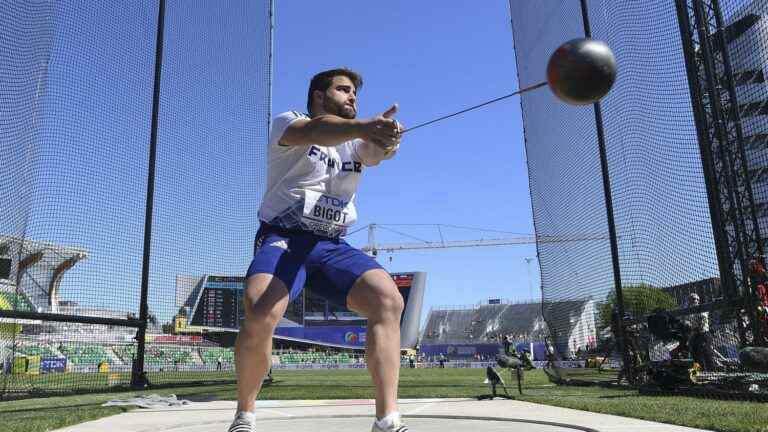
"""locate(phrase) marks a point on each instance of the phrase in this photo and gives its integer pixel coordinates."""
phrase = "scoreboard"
(220, 304)
(404, 283)
(217, 305)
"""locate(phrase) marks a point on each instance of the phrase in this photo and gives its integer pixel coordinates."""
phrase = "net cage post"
(138, 375)
(604, 170)
(716, 211)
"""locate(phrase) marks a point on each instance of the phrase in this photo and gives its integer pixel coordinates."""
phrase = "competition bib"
(327, 214)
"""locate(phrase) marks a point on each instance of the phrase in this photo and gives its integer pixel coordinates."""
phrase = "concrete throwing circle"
(417, 423)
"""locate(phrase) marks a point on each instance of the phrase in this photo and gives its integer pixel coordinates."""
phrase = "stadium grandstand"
(31, 273)
(313, 334)
(480, 331)
(324, 338)
(187, 354)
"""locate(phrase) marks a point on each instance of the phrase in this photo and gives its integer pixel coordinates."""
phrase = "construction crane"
(373, 248)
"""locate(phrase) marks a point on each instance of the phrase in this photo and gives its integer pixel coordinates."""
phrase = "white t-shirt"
(310, 187)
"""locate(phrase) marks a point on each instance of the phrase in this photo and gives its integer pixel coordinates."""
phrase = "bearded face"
(342, 109)
(341, 98)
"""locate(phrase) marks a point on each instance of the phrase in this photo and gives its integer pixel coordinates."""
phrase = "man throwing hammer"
(315, 162)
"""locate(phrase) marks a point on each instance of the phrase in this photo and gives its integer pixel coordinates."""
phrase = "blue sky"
(433, 58)
(88, 90)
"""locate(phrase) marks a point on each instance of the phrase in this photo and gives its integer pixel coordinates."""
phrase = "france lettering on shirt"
(316, 153)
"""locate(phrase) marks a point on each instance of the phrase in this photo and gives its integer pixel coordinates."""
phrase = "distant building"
(708, 290)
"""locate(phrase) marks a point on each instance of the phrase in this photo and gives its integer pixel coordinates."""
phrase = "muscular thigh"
(336, 267)
(281, 257)
(266, 297)
(374, 291)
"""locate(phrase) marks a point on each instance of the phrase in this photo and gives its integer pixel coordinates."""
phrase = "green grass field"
(90, 382)
(45, 414)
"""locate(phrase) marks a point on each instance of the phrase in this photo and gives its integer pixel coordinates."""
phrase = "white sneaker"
(396, 426)
(243, 422)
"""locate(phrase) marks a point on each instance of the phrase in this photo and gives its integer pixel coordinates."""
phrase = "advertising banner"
(353, 336)
(53, 364)
(460, 350)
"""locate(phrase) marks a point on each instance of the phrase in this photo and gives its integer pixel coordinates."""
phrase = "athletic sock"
(387, 420)
(247, 415)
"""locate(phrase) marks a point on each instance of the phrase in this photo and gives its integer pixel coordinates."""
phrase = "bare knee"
(391, 303)
(265, 301)
(376, 296)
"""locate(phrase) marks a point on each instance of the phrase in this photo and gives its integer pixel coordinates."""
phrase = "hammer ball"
(581, 71)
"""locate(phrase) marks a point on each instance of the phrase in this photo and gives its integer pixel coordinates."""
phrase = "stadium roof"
(475, 324)
(37, 268)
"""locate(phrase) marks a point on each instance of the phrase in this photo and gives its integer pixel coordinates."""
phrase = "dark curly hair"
(323, 80)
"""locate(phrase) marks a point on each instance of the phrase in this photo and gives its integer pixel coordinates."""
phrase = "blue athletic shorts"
(330, 265)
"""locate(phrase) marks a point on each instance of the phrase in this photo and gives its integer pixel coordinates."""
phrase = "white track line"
(274, 411)
(419, 409)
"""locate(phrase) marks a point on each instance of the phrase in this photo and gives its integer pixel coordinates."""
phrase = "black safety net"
(77, 86)
(684, 231)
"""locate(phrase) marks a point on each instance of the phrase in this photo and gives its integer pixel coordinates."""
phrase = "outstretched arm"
(331, 130)
(325, 130)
